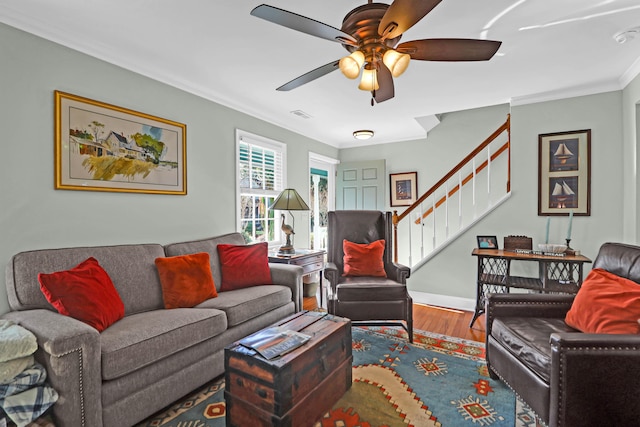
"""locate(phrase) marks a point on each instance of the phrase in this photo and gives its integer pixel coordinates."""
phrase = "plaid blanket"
(26, 397)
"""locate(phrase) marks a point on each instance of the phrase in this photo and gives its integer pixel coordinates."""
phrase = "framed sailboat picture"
(564, 173)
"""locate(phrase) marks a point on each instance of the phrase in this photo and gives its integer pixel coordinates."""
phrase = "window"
(260, 180)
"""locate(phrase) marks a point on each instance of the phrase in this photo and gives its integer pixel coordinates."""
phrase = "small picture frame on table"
(487, 242)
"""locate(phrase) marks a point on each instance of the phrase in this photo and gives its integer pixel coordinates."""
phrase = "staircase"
(468, 192)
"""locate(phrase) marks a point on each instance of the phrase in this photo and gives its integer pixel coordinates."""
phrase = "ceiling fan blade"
(402, 15)
(450, 49)
(310, 76)
(302, 24)
(385, 82)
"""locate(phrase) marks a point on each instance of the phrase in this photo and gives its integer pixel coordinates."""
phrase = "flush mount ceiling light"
(371, 34)
(363, 134)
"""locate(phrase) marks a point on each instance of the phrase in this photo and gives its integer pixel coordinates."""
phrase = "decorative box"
(512, 243)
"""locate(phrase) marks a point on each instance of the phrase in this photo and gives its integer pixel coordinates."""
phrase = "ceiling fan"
(371, 33)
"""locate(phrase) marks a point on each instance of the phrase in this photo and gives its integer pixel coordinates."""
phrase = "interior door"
(361, 185)
(322, 174)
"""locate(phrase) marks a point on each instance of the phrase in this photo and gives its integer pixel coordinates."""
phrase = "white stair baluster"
(446, 210)
(460, 200)
(489, 176)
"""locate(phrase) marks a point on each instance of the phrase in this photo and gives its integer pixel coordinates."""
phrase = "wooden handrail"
(468, 178)
(506, 126)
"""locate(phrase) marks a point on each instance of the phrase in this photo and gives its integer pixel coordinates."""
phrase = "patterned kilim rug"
(437, 381)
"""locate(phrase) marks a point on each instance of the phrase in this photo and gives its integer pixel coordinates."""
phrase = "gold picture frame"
(564, 173)
(404, 188)
(103, 147)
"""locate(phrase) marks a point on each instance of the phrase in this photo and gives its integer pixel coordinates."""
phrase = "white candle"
(570, 223)
(546, 238)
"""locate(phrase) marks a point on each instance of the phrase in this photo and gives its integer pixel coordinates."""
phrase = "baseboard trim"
(447, 301)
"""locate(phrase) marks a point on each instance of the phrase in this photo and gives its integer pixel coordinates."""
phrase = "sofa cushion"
(244, 265)
(186, 280)
(362, 259)
(243, 304)
(370, 289)
(606, 304)
(144, 338)
(84, 292)
(208, 245)
(130, 267)
(527, 338)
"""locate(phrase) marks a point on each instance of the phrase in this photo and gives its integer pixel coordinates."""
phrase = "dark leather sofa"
(567, 377)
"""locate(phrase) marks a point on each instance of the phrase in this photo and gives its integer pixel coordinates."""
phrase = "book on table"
(273, 342)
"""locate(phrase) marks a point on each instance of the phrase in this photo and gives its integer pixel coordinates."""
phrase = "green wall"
(33, 215)
(449, 277)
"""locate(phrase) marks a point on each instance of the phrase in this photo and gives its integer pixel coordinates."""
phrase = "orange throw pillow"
(606, 304)
(243, 266)
(84, 292)
(186, 280)
(363, 259)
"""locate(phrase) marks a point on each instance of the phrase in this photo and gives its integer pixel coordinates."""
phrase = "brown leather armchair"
(567, 377)
(366, 300)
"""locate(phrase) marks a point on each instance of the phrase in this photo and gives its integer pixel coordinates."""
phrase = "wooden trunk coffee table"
(294, 389)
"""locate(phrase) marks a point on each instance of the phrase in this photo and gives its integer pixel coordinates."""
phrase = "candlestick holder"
(568, 241)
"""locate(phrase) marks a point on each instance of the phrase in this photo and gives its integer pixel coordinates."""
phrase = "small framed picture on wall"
(404, 188)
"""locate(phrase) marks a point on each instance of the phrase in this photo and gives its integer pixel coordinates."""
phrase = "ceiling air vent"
(300, 113)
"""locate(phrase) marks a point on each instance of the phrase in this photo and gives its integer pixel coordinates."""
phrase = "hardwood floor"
(439, 320)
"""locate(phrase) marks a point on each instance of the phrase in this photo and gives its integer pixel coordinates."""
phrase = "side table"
(557, 273)
(310, 260)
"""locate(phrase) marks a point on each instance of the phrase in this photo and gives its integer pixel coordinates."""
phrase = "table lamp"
(288, 200)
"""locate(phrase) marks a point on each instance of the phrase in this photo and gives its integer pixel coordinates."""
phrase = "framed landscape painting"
(102, 147)
(564, 173)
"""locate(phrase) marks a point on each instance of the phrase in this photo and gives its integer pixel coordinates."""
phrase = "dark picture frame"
(564, 173)
(487, 242)
(404, 188)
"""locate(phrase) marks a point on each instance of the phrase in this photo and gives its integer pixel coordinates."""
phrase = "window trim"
(265, 143)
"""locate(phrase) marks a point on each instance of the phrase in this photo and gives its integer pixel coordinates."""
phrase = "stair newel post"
(395, 236)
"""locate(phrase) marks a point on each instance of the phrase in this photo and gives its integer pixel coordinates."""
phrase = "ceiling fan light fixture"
(369, 81)
(363, 134)
(350, 65)
(396, 62)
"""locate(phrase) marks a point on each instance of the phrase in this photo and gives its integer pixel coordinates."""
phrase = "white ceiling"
(215, 49)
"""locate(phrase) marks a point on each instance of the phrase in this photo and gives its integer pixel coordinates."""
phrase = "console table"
(557, 273)
(310, 260)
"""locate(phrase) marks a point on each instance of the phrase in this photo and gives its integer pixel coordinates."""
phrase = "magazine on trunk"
(275, 341)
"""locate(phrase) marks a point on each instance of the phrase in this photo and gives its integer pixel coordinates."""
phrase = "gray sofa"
(152, 356)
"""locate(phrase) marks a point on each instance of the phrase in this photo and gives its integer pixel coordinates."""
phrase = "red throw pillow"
(85, 292)
(606, 304)
(362, 259)
(186, 280)
(244, 265)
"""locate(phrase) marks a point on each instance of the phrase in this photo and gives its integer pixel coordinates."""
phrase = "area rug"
(437, 381)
